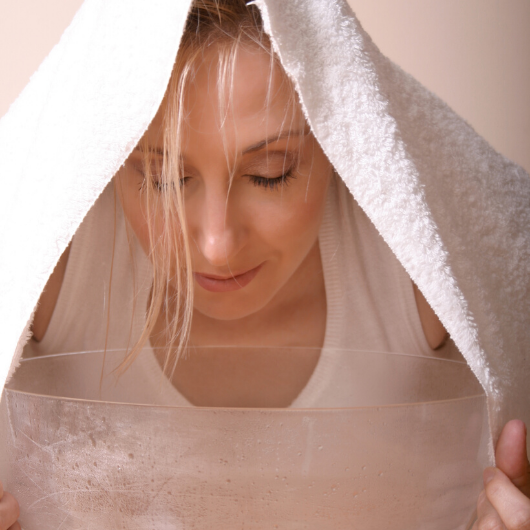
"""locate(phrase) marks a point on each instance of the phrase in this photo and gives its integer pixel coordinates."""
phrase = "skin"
(236, 227)
(253, 225)
(504, 503)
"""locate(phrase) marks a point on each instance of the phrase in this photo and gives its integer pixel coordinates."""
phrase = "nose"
(219, 234)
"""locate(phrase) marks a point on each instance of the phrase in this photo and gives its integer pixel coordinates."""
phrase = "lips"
(218, 284)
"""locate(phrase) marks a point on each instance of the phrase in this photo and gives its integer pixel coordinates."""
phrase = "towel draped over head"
(455, 213)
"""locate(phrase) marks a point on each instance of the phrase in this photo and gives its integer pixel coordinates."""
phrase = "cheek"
(293, 224)
(302, 208)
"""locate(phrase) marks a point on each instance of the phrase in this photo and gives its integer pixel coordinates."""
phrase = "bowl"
(400, 444)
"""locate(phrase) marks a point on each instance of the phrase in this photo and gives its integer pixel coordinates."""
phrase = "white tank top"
(370, 301)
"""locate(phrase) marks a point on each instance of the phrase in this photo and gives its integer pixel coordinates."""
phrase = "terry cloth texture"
(66, 135)
(455, 213)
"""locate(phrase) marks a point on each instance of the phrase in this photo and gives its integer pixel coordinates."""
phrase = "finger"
(15, 526)
(1, 490)
(9, 511)
(510, 453)
(487, 516)
(511, 504)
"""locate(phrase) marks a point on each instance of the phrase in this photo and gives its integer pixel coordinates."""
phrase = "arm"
(48, 298)
(432, 327)
(9, 508)
(504, 504)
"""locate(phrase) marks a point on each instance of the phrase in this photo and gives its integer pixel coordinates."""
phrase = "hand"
(504, 504)
(9, 511)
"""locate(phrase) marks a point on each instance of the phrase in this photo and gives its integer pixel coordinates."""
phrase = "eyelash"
(158, 186)
(267, 183)
(272, 183)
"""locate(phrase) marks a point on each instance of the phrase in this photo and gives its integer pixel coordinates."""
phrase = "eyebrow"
(271, 139)
(254, 147)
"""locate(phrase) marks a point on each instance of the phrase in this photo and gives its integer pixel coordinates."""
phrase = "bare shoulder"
(434, 330)
(48, 298)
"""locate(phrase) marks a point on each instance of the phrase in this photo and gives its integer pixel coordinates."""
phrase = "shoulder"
(434, 330)
(49, 297)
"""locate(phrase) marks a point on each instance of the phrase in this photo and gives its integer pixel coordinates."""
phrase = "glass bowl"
(396, 441)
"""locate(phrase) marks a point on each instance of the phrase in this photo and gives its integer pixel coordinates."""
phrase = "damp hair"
(221, 27)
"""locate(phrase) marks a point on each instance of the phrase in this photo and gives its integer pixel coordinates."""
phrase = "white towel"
(455, 212)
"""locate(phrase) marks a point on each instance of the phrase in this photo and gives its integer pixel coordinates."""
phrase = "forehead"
(247, 96)
(251, 84)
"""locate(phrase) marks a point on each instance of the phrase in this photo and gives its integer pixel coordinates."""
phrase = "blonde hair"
(223, 26)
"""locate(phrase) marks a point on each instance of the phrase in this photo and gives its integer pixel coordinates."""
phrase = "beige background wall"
(475, 54)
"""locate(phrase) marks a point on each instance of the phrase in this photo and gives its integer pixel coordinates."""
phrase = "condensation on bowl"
(404, 451)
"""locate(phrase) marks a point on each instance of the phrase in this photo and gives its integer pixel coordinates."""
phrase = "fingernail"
(489, 474)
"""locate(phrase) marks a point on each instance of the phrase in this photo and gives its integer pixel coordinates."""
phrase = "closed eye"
(161, 186)
(271, 183)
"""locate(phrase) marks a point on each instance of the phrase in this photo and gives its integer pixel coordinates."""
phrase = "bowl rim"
(287, 410)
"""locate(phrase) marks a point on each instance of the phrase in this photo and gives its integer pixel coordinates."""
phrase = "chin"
(236, 308)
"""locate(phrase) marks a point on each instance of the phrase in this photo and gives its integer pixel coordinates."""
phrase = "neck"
(296, 316)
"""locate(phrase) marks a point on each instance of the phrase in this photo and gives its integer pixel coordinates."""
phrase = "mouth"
(219, 284)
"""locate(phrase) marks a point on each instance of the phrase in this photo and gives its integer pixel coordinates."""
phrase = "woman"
(248, 229)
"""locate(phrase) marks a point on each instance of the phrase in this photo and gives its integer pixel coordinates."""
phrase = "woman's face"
(252, 229)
